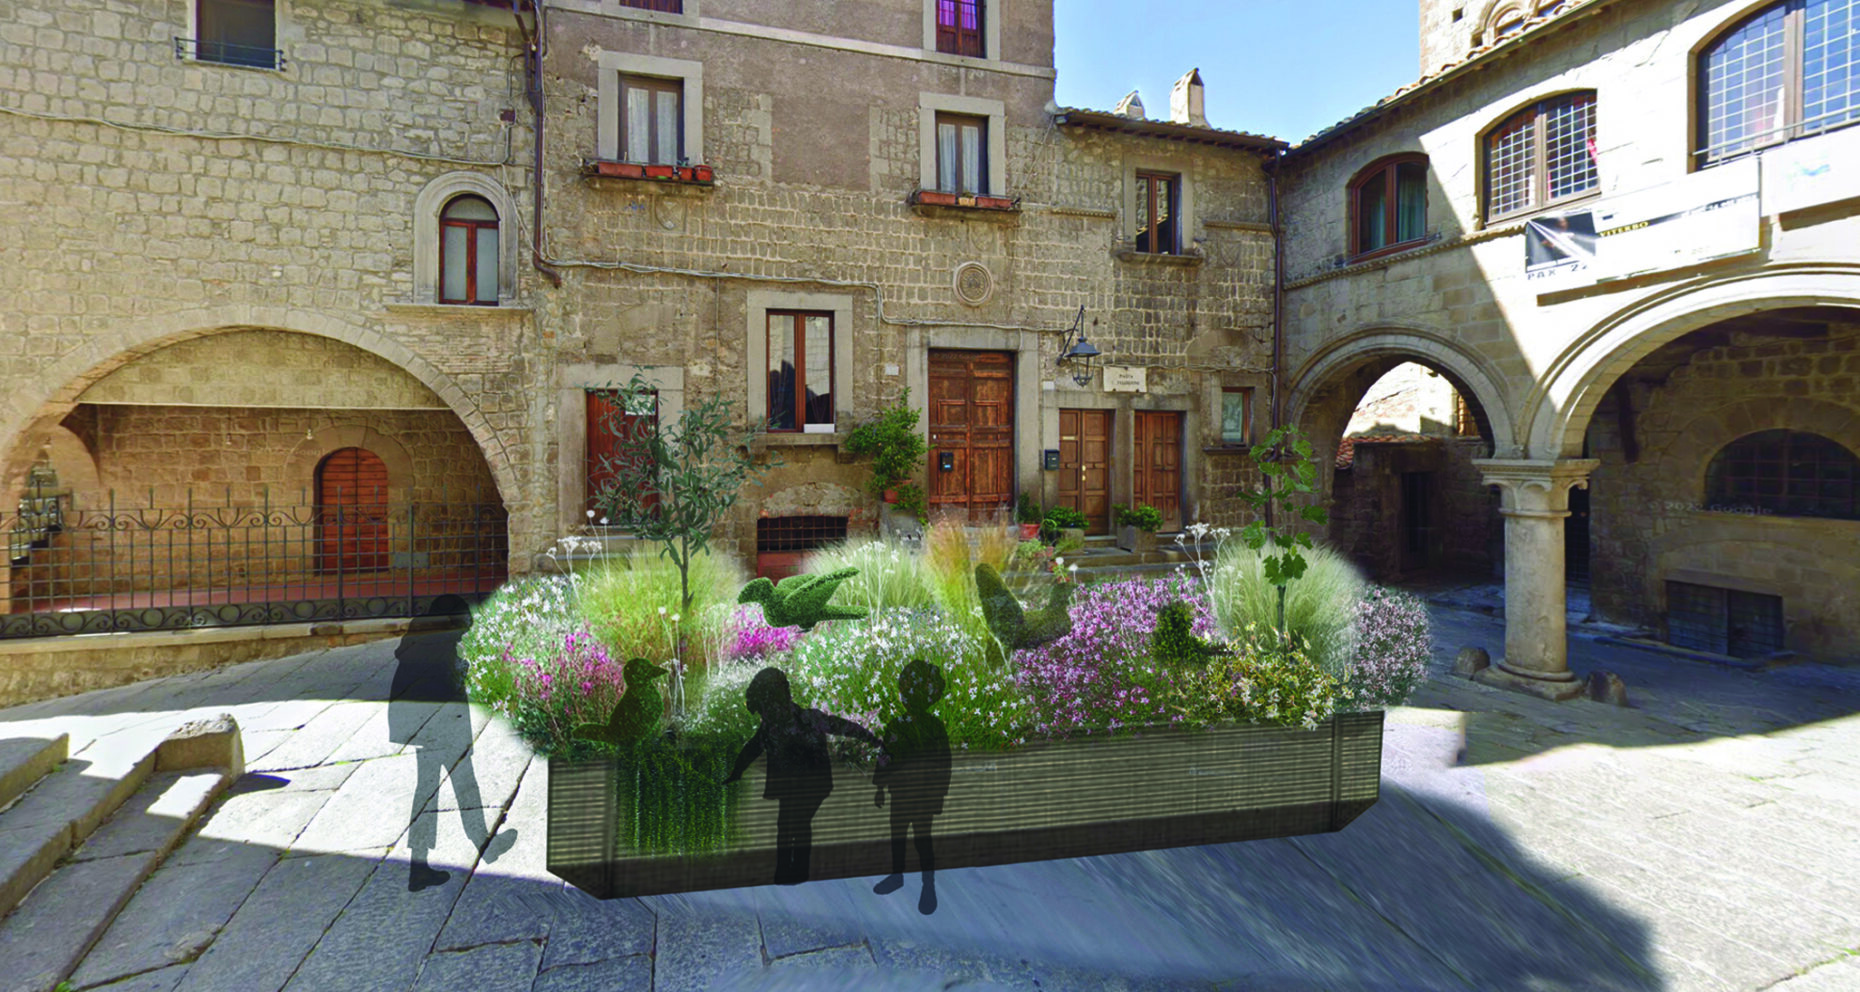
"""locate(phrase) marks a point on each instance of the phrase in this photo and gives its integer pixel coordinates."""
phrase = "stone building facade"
(1634, 275)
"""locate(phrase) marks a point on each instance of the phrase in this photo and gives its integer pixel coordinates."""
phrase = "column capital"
(1536, 488)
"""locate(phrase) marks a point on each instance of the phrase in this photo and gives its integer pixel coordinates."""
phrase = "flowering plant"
(1392, 649)
(1270, 679)
(554, 690)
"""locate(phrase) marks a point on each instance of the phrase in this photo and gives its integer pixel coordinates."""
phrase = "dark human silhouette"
(800, 771)
(636, 717)
(916, 770)
(427, 672)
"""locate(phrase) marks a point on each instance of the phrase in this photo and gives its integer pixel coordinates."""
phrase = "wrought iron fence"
(228, 53)
(338, 555)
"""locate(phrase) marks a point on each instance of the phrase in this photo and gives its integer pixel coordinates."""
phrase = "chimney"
(1186, 101)
(1130, 106)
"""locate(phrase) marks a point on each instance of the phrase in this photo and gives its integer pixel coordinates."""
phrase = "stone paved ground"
(1700, 841)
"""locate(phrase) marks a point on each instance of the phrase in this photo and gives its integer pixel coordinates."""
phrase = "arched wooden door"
(351, 516)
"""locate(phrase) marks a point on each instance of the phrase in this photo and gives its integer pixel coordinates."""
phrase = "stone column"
(1536, 502)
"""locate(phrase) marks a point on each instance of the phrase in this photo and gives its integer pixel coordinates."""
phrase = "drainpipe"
(533, 85)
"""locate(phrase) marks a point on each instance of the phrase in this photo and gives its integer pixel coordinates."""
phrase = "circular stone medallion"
(974, 283)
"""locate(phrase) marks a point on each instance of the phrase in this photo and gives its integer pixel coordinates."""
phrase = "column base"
(1555, 690)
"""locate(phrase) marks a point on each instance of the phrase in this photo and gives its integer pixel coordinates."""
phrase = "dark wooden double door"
(1085, 457)
(971, 431)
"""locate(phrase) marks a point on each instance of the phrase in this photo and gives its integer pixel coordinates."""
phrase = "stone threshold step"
(26, 760)
(47, 935)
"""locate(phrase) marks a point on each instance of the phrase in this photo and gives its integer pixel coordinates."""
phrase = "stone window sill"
(763, 443)
(659, 178)
(453, 309)
(1226, 449)
(1127, 254)
(935, 203)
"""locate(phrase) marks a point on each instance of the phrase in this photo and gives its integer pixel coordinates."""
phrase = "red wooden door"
(352, 524)
(1085, 465)
(609, 430)
(972, 422)
(1159, 464)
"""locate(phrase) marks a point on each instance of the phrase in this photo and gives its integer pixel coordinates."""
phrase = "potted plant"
(702, 173)
(1136, 528)
(661, 171)
(1029, 516)
(892, 441)
(1065, 527)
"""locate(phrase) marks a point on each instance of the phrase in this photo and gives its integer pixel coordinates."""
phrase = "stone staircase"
(1101, 558)
(78, 835)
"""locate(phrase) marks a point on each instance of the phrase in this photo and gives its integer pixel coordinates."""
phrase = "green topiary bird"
(1017, 628)
(636, 718)
(1173, 643)
(801, 600)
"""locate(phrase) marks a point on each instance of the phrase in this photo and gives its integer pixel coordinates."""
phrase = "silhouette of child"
(916, 771)
(800, 772)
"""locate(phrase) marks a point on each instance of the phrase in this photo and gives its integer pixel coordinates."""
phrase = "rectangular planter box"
(1060, 799)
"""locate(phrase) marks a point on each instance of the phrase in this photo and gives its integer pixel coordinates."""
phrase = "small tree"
(1284, 460)
(673, 484)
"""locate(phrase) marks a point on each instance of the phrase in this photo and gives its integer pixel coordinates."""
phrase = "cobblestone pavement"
(1699, 841)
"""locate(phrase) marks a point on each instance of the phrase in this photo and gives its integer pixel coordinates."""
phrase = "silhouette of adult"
(916, 770)
(427, 673)
(800, 771)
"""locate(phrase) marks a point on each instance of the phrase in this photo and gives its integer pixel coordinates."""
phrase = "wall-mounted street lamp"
(1078, 354)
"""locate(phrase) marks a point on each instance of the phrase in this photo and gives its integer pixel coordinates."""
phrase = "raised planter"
(1136, 539)
(1062, 799)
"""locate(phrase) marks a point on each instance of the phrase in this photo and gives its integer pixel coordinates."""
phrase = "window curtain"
(638, 126)
(668, 150)
(946, 158)
(1410, 202)
(486, 268)
(972, 159)
(1372, 214)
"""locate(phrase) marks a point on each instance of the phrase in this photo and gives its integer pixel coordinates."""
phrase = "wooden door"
(972, 423)
(1085, 465)
(352, 524)
(1159, 464)
(609, 429)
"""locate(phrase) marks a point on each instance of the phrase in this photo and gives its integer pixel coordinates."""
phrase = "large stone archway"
(35, 407)
(1471, 375)
(1556, 414)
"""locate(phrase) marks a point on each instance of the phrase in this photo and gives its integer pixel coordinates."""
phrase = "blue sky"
(1287, 68)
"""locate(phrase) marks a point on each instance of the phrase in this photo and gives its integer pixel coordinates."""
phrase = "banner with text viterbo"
(1706, 215)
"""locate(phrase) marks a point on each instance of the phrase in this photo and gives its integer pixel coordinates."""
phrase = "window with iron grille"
(959, 27)
(1723, 621)
(1388, 205)
(652, 120)
(667, 6)
(1540, 155)
(1159, 199)
(1787, 71)
(807, 533)
(1787, 473)
(236, 32)
(961, 153)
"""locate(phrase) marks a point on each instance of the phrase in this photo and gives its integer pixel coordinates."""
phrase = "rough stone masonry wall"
(122, 237)
(1648, 516)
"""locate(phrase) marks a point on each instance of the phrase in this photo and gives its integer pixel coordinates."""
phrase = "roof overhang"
(1098, 120)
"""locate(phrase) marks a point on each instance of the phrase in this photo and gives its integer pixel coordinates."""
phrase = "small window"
(652, 120)
(1236, 415)
(667, 6)
(618, 460)
(1787, 71)
(1787, 473)
(1158, 202)
(959, 27)
(1540, 155)
(800, 371)
(961, 154)
(468, 252)
(236, 32)
(1388, 205)
(1723, 621)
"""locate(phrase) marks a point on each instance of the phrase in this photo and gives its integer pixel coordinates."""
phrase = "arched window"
(468, 251)
(1788, 473)
(1786, 71)
(1388, 205)
(1541, 154)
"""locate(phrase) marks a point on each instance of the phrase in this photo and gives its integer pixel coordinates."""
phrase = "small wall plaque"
(1126, 379)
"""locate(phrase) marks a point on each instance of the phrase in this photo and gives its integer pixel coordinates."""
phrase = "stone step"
(26, 760)
(47, 935)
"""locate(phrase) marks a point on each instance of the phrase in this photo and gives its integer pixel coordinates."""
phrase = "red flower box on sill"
(661, 171)
(695, 175)
(701, 173)
(969, 201)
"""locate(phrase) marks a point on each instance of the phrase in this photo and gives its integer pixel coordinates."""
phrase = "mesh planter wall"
(1062, 799)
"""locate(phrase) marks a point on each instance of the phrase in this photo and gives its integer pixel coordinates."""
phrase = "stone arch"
(1468, 373)
(1708, 431)
(30, 413)
(1558, 410)
(426, 207)
(310, 452)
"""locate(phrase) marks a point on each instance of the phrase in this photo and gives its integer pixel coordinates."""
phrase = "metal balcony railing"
(227, 53)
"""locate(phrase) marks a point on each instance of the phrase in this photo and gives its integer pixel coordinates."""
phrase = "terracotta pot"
(686, 173)
(891, 495)
(935, 198)
(624, 170)
(701, 173)
(1029, 532)
(661, 171)
(994, 202)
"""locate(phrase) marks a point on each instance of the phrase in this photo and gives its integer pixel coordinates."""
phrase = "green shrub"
(896, 448)
(1063, 517)
(1269, 679)
(1320, 607)
(1145, 517)
(1028, 511)
(1173, 643)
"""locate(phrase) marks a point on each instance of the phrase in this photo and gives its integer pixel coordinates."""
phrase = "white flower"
(661, 611)
(590, 514)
